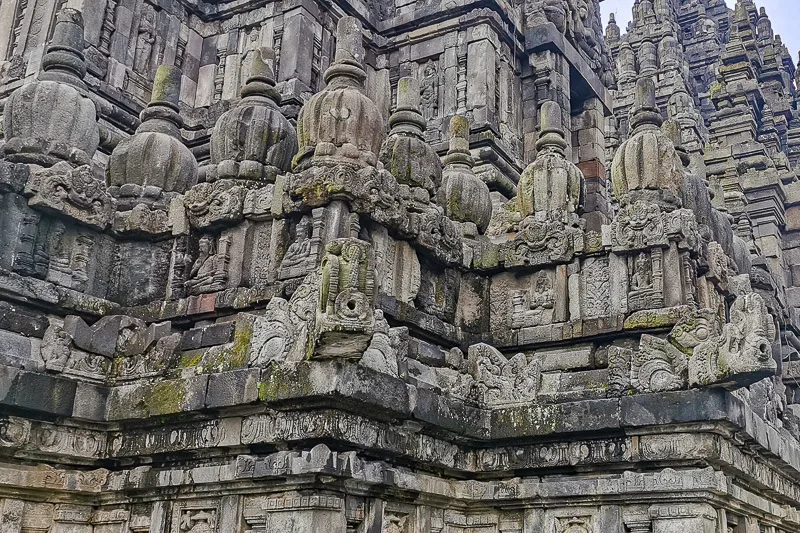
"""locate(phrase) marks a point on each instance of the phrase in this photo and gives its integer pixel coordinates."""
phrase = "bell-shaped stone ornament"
(464, 196)
(550, 187)
(646, 166)
(405, 153)
(254, 140)
(53, 119)
(612, 30)
(340, 124)
(155, 155)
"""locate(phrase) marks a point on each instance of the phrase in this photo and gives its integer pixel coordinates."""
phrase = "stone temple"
(399, 266)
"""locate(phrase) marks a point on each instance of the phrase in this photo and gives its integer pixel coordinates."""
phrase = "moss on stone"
(166, 397)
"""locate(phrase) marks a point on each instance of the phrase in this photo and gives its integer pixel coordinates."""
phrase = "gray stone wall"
(433, 267)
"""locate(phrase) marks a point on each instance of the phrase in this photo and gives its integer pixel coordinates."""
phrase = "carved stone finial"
(612, 30)
(464, 196)
(647, 166)
(254, 140)
(405, 153)
(459, 142)
(340, 124)
(155, 155)
(550, 187)
(64, 59)
(552, 135)
(349, 41)
(645, 113)
(68, 130)
(672, 129)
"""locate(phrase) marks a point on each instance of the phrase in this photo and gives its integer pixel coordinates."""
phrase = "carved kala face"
(209, 204)
(695, 330)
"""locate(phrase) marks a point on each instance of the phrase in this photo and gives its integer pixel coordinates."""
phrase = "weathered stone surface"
(53, 118)
(367, 341)
(404, 152)
(464, 196)
(254, 140)
(155, 155)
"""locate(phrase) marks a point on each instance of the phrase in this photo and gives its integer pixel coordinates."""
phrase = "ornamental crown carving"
(73, 192)
(254, 140)
(340, 124)
(647, 166)
(53, 119)
(155, 155)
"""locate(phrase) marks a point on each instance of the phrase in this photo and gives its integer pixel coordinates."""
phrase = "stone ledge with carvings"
(699, 431)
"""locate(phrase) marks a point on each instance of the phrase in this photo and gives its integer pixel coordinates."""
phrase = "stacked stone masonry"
(398, 267)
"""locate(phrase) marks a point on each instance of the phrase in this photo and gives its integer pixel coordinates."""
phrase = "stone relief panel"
(195, 516)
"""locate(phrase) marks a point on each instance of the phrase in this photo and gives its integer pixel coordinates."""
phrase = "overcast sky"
(784, 14)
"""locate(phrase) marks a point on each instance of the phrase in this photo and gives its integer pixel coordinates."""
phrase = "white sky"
(784, 14)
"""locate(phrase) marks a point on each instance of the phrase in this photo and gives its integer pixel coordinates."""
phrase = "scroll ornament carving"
(738, 352)
(282, 333)
(641, 225)
(73, 192)
(540, 242)
(218, 203)
(493, 380)
(658, 366)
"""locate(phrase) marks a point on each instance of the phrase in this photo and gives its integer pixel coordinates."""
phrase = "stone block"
(19, 319)
(566, 357)
(52, 395)
(17, 350)
(90, 402)
(233, 388)
(425, 352)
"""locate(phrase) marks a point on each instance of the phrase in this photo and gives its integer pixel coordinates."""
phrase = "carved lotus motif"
(550, 186)
(153, 158)
(647, 164)
(55, 112)
(412, 161)
(256, 131)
